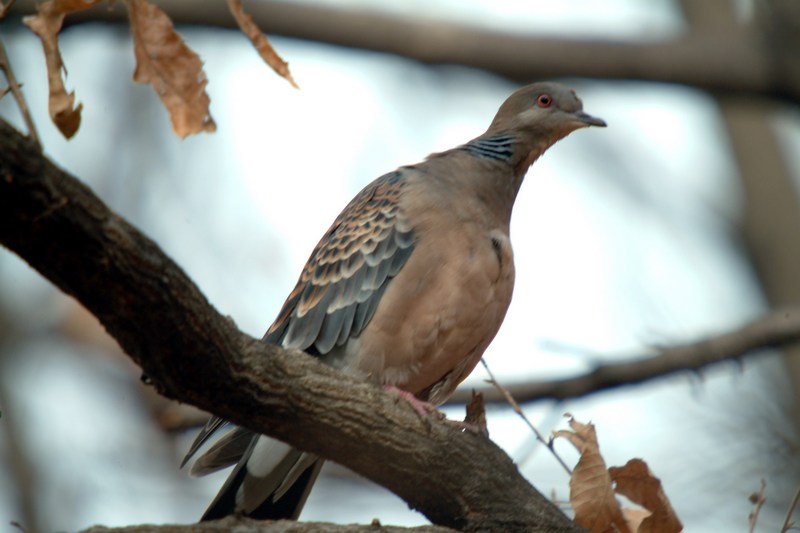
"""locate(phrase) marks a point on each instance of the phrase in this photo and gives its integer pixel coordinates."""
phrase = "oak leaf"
(46, 24)
(175, 71)
(635, 517)
(590, 491)
(636, 482)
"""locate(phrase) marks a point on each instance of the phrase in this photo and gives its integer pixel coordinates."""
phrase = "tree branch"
(778, 329)
(244, 525)
(195, 355)
(738, 61)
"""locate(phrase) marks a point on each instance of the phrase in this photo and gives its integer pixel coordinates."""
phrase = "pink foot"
(422, 408)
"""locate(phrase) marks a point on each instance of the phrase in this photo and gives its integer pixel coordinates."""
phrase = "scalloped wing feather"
(346, 275)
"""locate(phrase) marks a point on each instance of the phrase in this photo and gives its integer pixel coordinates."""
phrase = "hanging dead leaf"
(636, 482)
(635, 517)
(46, 24)
(590, 491)
(176, 73)
(260, 41)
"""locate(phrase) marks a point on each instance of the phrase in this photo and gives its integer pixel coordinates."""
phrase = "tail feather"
(270, 481)
(291, 503)
(227, 451)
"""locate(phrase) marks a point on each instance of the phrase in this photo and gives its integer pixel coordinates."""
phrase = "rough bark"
(240, 525)
(193, 354)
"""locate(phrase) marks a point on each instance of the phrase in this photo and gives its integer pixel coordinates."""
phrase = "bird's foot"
(421, 407)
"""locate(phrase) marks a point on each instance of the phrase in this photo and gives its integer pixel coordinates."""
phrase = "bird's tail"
(271, 480)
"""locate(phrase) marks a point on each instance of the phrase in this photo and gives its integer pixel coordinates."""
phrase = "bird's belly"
(431, 328)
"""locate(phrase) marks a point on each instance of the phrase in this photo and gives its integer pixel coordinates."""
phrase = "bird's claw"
(422, 408)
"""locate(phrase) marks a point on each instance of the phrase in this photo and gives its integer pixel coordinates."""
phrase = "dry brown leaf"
(46, 24)
(176, 73)
(590, 491)
(636, 482)
(635, 517)
(260, 41)
(476, 413)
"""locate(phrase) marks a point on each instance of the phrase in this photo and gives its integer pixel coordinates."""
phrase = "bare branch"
(778, 329)
(517, 409)
(244, 525)
(16, 89)
(731, 62)
(193, 354)
(758, 500)
(788, 523)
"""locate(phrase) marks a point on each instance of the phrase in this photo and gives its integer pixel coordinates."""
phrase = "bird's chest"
(443, 309)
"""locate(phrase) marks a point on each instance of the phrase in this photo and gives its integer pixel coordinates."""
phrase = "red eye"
(544, 100)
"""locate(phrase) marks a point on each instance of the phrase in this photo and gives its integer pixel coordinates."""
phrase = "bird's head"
(543, 113)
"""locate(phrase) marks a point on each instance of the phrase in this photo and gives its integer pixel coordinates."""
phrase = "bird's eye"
(544, 100)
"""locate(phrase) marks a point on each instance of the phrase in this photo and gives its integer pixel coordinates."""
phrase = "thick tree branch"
(193, 354)
(739, 61)
(244, 525)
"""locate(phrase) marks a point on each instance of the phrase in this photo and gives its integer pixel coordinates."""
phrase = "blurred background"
(679, 221)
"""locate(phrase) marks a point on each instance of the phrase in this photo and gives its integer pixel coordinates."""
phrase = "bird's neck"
(491, 167)
(513, 149)
(510, 151)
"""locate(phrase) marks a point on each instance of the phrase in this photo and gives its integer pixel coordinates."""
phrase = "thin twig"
(16, 89)
(788, 524)
(758, 499)
(18, 526)
(517, 409)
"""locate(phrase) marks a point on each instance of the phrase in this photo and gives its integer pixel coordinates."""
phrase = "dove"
(407, 288)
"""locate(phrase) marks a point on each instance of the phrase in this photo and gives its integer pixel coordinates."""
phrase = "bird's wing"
(340, 286)
(348, 271)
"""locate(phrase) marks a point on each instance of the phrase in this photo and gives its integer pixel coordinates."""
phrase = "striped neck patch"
(499, 147)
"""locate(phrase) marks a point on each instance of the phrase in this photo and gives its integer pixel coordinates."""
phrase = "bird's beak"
(588, 120)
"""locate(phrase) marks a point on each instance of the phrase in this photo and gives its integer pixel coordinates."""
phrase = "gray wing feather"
(347, 273)
(335, 297)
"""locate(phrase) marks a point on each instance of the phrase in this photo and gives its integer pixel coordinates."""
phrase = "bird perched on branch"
(407, 288)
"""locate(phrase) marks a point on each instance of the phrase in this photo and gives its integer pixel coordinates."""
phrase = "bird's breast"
(441, 311)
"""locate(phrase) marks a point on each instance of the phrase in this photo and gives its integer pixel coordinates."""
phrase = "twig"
(788, 524)
(18, 526)
(5, 66)
(758, 499)
(517, 409)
